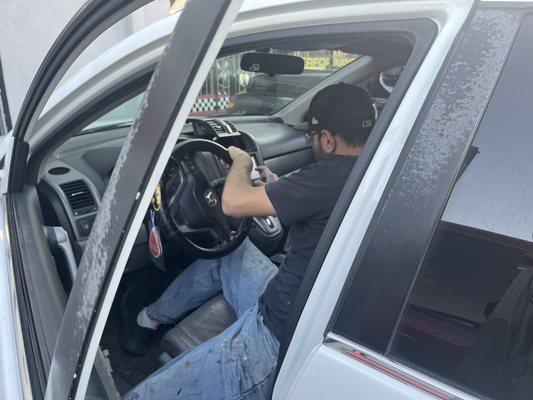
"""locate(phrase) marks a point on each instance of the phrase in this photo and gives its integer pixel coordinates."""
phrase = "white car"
(421, 285)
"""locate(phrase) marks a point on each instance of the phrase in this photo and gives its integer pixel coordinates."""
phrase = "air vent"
(219, 129)
(79, 197)
(231, 126)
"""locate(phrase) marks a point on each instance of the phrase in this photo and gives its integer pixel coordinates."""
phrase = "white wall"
(28, 28)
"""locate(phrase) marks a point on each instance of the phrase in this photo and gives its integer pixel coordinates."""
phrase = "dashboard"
(76, 176)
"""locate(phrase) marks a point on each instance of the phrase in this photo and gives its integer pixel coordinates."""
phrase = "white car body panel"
(341, 379)
(357, 378)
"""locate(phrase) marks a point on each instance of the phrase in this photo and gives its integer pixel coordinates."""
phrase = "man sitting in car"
(240, 362)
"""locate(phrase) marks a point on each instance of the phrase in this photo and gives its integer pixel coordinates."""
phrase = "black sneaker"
(134, 338)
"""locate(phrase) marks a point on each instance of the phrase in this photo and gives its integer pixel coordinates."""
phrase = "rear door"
(436, 299)
(352, 348)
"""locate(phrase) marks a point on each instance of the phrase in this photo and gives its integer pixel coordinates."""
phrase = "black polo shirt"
(303, 202)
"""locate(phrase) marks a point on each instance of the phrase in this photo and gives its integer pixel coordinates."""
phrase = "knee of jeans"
(245, 246)
(259, 262)
(236, 255)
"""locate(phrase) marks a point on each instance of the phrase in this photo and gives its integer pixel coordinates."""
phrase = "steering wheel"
(191, 208)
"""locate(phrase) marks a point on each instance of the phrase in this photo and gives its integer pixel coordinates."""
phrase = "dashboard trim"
(54, 182)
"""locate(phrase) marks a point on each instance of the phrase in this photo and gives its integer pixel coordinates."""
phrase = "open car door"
(190, 53)
(177, 79)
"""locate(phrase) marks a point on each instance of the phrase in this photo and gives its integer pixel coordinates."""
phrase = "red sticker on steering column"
(154, 242)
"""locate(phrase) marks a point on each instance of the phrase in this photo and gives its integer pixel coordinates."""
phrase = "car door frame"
(308, 330)
(171, 93)
(89, 22)
(422, 162)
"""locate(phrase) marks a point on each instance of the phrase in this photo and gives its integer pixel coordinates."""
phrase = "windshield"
(229, 90)
(121, 115)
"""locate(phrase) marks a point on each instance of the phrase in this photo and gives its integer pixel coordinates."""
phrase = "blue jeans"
(238, 363)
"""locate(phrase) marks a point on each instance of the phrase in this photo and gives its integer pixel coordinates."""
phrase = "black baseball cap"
(342, 109)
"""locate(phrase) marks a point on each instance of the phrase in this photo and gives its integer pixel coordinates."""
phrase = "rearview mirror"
(272, 64)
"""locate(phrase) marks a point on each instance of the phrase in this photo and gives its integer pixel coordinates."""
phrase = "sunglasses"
(309, 134)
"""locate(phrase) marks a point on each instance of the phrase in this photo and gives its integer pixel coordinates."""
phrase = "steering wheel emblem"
(210, 198)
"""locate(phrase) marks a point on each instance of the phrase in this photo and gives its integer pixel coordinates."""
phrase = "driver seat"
(198, 327)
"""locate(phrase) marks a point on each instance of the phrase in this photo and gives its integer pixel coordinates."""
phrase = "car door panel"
(342, 380)
(372, 301)
(349, 222)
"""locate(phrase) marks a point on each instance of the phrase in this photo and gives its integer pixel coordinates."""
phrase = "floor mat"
(133, 369)
(128, 369)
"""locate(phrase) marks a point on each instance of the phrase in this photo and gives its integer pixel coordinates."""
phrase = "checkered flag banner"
(209, 104)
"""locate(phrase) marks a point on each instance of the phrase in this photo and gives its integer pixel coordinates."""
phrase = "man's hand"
(267, 175)
(240, 198)
(238, 155)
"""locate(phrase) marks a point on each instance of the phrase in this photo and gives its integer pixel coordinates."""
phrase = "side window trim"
(478, 268)
(422, 33)
(404, 208)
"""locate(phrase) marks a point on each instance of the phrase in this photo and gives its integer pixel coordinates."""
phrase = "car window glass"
(141, 18)
(469, 318)
(229, 90)
(106, 46)
(123, 114)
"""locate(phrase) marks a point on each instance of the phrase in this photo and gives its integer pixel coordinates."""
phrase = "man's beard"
(319, 152)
